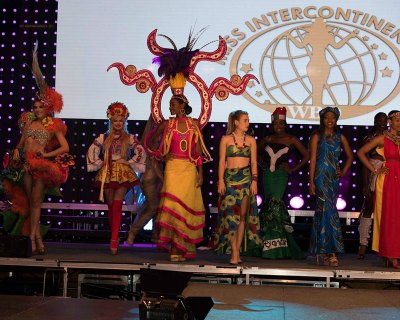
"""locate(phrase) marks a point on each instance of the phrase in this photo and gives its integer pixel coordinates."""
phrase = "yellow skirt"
(181, 213)
(120, 175)
(377, 211)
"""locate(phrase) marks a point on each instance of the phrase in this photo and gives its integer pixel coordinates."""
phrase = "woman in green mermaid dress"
(273, 153)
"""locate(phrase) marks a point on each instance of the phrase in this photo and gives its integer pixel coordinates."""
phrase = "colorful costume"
(181, 213)
(326, 235)
(116, 145)
(237, 183)
(386, 215)
(111, 173)
(278, 241)
(51, 171)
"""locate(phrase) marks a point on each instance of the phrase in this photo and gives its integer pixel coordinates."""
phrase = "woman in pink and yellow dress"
(181, 212)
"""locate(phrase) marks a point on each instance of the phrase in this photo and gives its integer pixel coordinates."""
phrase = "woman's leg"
(109, 195)
(116, 217)
(27, 186)
(241, 226)
(35, 208)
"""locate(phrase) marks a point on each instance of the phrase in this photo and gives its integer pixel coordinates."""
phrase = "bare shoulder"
(251, 139)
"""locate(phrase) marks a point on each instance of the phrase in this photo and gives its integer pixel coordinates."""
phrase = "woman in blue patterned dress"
(325, 149)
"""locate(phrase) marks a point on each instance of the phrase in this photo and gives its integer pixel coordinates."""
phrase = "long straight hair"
(234, 115)
(124, 137)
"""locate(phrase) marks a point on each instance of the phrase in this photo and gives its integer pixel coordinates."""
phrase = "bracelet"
(254, 177)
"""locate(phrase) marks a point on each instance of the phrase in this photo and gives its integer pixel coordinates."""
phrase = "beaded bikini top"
(41, 136)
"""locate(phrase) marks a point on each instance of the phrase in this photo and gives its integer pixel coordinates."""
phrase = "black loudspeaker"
(15, 246)
(161, 297)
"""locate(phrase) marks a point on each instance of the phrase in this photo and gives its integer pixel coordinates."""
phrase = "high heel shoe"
(40, 250)
(361, 252)
(33, 245)
(333, 261)
(131, 238)
(392, 263)
(176, 258)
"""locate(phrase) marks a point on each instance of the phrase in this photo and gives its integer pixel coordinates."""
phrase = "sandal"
(131, 238)
(40, 250)
(333, 261)
(361, 252)
(176, 258)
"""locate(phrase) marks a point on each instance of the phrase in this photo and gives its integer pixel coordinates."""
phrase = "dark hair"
(188, 109)
(380, 114)
(320, 130)
(181, 99)
(392, 112)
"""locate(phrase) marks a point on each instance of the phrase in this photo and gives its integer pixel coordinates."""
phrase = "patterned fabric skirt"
(276, 229)
(120, 175)
(326, 233)
(181, 213)
(237, 183)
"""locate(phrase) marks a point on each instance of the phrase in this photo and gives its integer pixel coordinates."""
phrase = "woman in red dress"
(386, 240)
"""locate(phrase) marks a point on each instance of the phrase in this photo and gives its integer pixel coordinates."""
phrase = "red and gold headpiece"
(117, 109)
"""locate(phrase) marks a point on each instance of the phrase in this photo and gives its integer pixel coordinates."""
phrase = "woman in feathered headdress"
(181, 213)
(41, 150)
(122, 156)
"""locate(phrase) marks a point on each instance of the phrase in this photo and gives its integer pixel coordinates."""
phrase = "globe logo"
(312, 64)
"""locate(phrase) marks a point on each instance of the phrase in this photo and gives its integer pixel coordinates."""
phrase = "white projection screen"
(306, 54)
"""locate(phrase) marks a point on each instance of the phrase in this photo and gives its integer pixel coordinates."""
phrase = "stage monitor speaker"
(161, 297)
(15, 246)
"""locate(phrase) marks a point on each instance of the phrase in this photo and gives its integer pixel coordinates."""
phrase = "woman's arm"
(152, 141)
(303, 151)
(313, 161)
(254, 169)
(349, 155)
(93, 160)
(362, 152)
(138, 159)
(63, 148)
(260, 150)
(222, 165)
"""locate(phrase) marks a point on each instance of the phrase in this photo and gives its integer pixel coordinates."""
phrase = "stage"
(72, 261)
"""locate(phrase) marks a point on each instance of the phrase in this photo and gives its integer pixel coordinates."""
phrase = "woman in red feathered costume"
(41, 151)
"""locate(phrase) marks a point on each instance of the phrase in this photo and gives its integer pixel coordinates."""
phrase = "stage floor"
(149, 254)
(69, 256)
(230, 302)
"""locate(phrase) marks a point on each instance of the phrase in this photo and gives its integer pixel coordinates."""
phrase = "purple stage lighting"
(340, 204)
(259, 200)
(296, 202)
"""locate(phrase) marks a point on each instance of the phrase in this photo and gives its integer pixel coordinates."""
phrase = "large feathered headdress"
(50, 98)
(174, 63)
